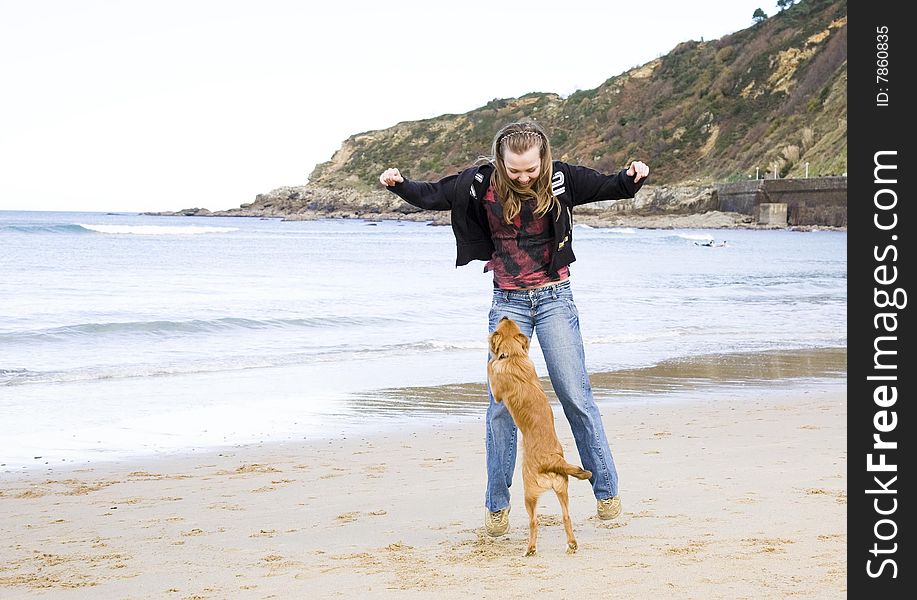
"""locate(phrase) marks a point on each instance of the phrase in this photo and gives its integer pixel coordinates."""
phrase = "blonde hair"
(519, 138)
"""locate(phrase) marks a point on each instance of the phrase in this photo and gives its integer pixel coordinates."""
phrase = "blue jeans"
(550, 314)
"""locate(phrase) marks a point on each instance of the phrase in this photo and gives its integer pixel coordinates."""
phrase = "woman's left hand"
(638, 170)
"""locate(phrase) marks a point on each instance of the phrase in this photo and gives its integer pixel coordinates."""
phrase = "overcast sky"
(160, 105)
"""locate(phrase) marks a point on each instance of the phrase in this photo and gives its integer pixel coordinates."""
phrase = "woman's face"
(523, 168)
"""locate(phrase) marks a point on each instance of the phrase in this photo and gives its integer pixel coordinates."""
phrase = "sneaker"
(609, 508)
(497, 523)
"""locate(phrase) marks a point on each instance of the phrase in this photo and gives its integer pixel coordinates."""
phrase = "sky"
(134, 105)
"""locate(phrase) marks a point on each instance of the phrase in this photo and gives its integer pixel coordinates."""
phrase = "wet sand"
(733, 482)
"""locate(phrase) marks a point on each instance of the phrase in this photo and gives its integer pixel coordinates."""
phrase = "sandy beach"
(728, 491)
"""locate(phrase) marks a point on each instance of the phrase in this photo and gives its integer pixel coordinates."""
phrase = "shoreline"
(611, 220)
(729, 492)
(357, 412)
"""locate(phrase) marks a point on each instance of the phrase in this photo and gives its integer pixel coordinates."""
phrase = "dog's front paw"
(571, 548)
(530, 552)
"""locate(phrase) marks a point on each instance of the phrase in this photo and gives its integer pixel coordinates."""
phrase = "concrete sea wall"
(812, 201)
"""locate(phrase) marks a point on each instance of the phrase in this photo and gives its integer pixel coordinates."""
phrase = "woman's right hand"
(390, 177)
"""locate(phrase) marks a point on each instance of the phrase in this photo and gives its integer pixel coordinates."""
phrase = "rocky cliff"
(765, 100)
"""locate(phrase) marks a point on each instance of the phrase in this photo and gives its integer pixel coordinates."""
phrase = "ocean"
(125, 336)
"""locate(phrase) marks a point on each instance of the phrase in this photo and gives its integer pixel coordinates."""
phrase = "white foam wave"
(632, 338)
(156, 229)
(457, 345)
(610, 230)
(694, 236)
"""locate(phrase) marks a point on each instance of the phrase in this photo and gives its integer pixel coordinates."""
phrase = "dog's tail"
(565, 468)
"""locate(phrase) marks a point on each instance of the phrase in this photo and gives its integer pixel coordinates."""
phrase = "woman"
(515, 212)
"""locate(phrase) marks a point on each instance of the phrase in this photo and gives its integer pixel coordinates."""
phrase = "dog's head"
(508, 340)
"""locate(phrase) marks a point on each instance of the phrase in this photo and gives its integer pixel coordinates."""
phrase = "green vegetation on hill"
(772, 97)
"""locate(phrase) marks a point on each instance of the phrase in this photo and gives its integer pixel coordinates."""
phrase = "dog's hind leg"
(560, 488)
(531, 504)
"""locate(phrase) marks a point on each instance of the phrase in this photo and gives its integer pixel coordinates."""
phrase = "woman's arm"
(592, 186)
(427, 195)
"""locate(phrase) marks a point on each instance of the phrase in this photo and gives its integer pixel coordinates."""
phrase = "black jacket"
(463, 194)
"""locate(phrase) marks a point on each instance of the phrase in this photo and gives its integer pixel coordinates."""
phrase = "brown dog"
(513, 380)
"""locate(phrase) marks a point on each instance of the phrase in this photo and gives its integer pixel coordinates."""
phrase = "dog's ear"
(523, 341)
(496, 338)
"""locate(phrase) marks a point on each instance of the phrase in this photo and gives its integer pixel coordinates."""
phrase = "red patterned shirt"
(521, 249)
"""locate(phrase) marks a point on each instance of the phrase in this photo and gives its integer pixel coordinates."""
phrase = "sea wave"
(166, 327)
(117, 229)
(607, 230)
(589, 230)
(46, 228)
(200, 365)
(693, 236)
(637, 337)
(156, 229)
